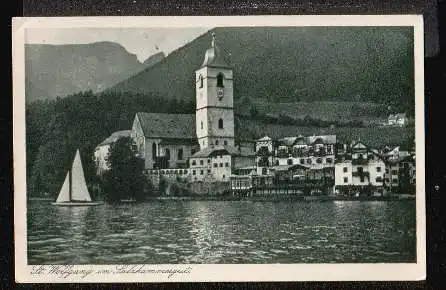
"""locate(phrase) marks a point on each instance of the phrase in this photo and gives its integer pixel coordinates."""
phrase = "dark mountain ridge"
(61, 70)
(278, 64)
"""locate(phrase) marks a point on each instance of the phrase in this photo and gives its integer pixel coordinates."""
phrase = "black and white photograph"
(206, 148)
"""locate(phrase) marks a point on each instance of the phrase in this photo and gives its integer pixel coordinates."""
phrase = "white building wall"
(100, 155)
(222, 171)
(340, 174)
(376, 169)
(200, 168)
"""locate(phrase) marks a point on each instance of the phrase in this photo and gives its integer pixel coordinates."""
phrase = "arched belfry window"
(220, 123)
(200, 81)
(220, 77)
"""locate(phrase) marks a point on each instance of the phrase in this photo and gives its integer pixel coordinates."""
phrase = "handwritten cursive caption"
(77, 271)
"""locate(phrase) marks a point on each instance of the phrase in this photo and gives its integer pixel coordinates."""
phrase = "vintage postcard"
(245, 148)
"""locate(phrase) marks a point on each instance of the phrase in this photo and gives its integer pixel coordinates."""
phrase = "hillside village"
(203, 153)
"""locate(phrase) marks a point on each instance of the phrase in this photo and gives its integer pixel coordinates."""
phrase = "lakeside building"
(101, 151)
(360, 170)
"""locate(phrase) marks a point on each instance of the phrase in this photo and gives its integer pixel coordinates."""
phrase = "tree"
(125, 178)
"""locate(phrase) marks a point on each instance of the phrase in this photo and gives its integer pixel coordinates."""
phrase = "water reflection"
(222, 232)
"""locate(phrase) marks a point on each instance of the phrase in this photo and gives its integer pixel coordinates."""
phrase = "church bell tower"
(214, 96)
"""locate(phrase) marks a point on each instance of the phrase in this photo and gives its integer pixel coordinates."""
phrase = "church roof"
(213, 56)
(115, 136)
(174, 126)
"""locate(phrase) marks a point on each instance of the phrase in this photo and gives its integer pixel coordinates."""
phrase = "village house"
(400, 169)
(102, 150)
(399, 119)
(361, 171)
(315, 154)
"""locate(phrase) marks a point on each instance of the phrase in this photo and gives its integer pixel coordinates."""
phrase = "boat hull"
(76, 203)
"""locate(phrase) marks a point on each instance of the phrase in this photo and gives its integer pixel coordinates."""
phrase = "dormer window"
(220, 80)
(200, 81)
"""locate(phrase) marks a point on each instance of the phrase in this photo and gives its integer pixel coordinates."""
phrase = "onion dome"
(213, 56)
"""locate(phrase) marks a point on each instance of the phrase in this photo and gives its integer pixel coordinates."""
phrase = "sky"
(143, 42)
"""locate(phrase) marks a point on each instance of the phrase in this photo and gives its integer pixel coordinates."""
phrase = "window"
(225, 142)
(276, 162)
(201, 124)
(220, 80)
(394, 172)
(394, 180)
(290, 162)
(378, 169)
(201, 172)
(220, 124)
(209, 161)
(200, 81)
(302, 161)
(216, 142)
(201, 161)
(345, 179)
(379, 179)
(319, 160)
(221, 164)
(153, 150)
(194, 162)
(264, 171)
(224, 176)
(193, 172)
(167, 153)
(215, 165)
(180, 154)
(185, 171)
(345, 169)
(309, 161)
(387, 180)
(226, 164)
(209, 171)
(329, 160)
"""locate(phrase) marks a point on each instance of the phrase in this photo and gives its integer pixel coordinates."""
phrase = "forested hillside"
(368, 64)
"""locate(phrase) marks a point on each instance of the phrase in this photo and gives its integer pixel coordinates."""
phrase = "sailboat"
(74, 191)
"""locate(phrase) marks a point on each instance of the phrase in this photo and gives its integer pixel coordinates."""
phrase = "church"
(203, 146)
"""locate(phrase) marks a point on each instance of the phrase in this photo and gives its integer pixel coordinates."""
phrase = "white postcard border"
(211, 272)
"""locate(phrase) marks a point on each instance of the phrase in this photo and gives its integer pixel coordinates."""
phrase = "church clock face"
(220, 93)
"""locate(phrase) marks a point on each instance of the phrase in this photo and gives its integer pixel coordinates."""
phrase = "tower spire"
(213, 39)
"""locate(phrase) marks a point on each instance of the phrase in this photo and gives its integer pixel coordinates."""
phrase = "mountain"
(283, 64)
(154, 59)
(60, 70)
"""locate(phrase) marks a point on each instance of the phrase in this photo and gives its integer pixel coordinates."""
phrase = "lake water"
(222, 232)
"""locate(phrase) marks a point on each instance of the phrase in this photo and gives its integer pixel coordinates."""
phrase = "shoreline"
(263, 198)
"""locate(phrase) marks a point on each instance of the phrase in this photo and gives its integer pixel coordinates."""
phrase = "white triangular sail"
(64, 194)
(79, 190)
